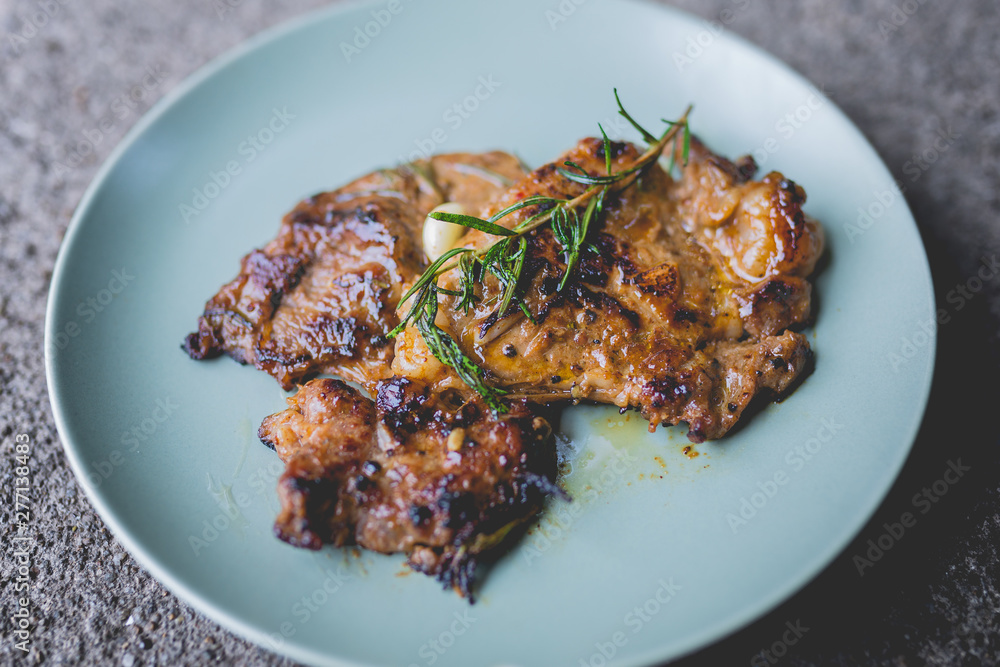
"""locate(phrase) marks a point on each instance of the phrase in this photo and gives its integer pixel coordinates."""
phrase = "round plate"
(664, 549)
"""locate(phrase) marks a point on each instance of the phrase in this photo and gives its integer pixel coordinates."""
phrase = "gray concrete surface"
(933, 599)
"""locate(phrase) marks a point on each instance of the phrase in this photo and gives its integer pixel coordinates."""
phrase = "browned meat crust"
(436, 477)
(684, 307)
(681, 309)
(321, 297)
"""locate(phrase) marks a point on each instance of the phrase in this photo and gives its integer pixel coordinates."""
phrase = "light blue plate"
(663, 552)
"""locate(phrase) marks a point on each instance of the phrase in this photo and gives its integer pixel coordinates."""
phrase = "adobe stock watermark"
(163, 409)
(264, 479)
(957, 297)
(886, 197)
(791, 122)
(557, 522)
(19, 575)
(562, 12)
(231, 504)
(454, 117)
(796, 459)
(146, 427)
(223, 7)
(634, 621)
(965, 292)
(696, 45)
(364, 34)
(432, 650)
(920, 162)
(131, 102)
(249, 149)
(305, 608)
(898, 17)
(88, 309)
(779, 649)
(923, 501)
(33, 23)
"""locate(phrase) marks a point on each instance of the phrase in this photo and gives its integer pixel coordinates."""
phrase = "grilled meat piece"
(433, 476)
(681, 309)
(321, 297)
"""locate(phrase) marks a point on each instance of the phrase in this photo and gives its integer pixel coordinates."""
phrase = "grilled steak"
(321, 297)
(684, 306)
(680, 309)
(437, 477)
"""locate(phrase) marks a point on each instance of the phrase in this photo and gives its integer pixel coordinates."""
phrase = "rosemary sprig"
(447, 350)
(473, 222)
(571, 232)
(505, 258)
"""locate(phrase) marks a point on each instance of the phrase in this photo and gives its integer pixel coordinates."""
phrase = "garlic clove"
(440, 236)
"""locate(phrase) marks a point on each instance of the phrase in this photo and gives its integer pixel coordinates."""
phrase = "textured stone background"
(932, 599)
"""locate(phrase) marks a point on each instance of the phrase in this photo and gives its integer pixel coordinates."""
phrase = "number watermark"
(21, 497)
